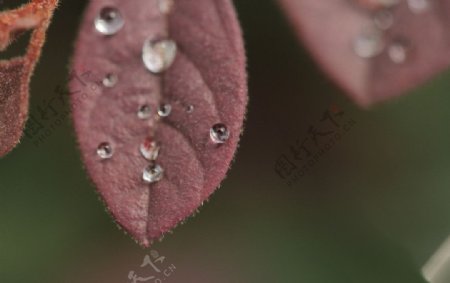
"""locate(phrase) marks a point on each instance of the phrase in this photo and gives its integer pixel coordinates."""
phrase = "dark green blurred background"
(373, 208)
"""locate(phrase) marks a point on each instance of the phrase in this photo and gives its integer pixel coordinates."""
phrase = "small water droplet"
(383, 19)
(104, 150)
(164, 110)
(398, 51)
(110, 80)
(158, 55)
(165, 6)
(219, 133)
(144, 112)
(418, 6)
(149, 149)
(369, 43)
(190, 108)
(153, 173)
(109, 21)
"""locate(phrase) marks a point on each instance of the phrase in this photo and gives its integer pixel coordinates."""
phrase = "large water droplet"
(153, 173)
(164, 110)
(158, 55)
(219, 133)
(369, 43)
(149, 149)
(418, 6)
(165, 6)
(110, 80)
(383, 19)
(109, 21)
(104, 150)
(144, 112)
(398, 51)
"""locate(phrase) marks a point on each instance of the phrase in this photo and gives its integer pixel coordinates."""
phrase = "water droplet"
(110, 80)
(383, 19)
(190, 108)
(398, 51)
(158, 55)
(369, 43)
(149, 149)
(418, 6)
(219, 133)
(164, 110)
(144, 112)
(104, 150)
(153, 173)
(165, 6)
(109, 21)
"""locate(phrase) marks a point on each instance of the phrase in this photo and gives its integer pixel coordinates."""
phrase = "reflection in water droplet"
(110, 80)
(219, 133)
(164, 110)
(104, 150)
(158, 55)
(369, 43)
(109, 21)
(418, 6)
(383, 19)
(144, 112)
(165, 6)
(149, 149)
(398, 51)
(153, 173)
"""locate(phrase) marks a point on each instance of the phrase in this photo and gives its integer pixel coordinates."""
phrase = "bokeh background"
(372, 209)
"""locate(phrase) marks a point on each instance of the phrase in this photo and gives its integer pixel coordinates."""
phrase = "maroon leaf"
(115, 99)
(375, 49)
(15, 73)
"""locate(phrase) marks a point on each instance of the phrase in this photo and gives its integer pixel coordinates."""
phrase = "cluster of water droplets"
(371, 41)
(153, 172)
(158, 55)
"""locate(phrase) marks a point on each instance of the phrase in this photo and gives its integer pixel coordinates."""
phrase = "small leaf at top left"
(15, 73)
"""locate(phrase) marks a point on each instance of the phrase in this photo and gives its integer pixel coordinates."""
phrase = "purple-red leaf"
(375, 49)
(200, 92)
(15, 73)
